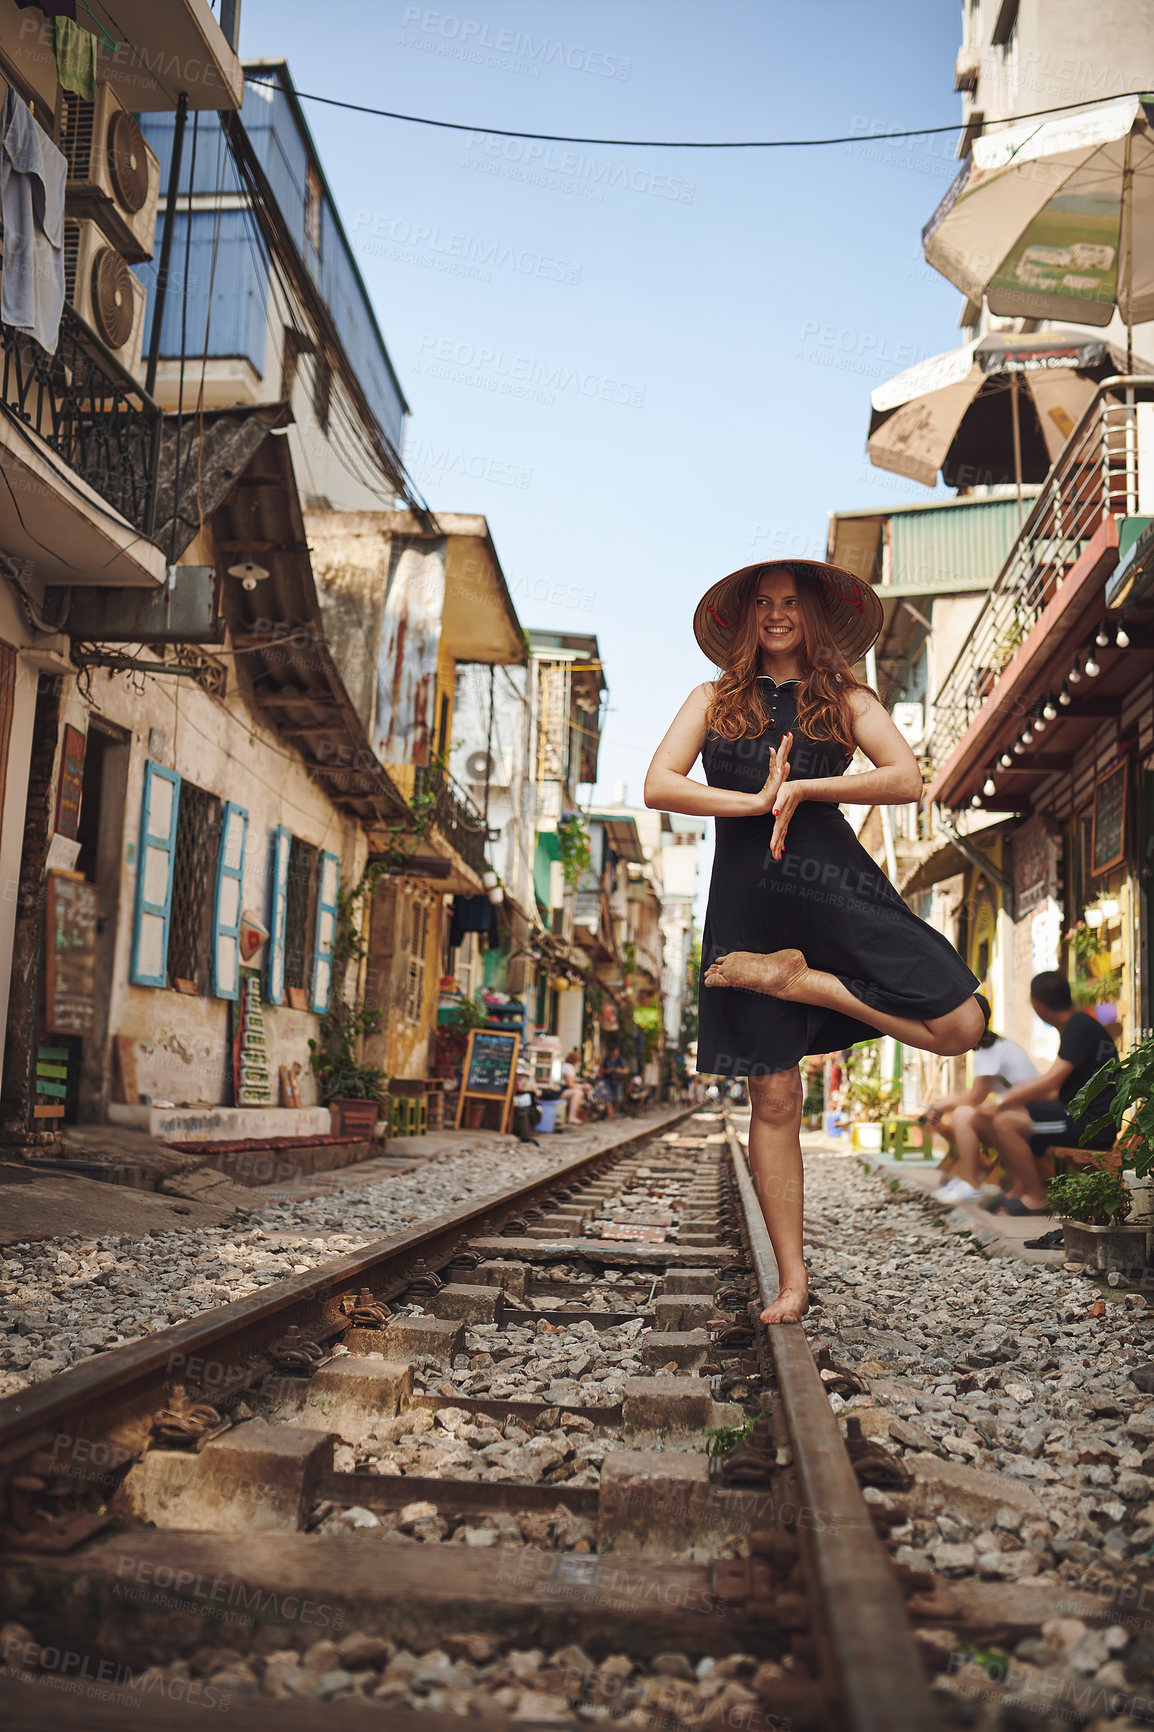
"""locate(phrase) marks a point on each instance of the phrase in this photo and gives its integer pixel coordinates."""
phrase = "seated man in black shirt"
(1029, 1118)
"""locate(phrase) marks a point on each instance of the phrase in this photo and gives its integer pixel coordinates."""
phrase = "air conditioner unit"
(104, 292)
(910, 722)
(496, 768)
(113, 177)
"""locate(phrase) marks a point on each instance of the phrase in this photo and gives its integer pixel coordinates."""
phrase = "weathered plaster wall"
(181, 1042)
(14, 633)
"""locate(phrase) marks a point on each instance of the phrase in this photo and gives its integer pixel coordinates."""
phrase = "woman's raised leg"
(775, 1161)
(786, 974)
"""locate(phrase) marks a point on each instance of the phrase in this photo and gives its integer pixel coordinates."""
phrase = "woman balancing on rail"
(808, 947)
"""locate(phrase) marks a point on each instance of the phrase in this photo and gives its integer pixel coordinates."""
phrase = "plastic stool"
(902, 1136)
(402, 1116)
(421, 1103)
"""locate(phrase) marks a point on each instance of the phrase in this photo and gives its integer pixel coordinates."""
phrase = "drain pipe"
(871, 662)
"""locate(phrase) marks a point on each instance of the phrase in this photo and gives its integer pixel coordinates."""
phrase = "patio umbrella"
(1054, 219)
(997, 410)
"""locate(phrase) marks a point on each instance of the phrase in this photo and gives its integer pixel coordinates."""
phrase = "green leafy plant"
(1099, 1198)
(1129, 1112)
(647, 1018)
(720, 1439)
(334, 1054)
(869, 1096)
(575, 848)
(464, 1015)
(1096, 989)
(1085, 941)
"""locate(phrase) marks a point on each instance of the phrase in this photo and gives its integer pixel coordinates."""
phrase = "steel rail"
(115, 1392)
(863, 1629)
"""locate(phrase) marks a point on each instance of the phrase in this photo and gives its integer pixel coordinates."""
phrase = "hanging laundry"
(75, 58)
(32, 176)
(474, 914)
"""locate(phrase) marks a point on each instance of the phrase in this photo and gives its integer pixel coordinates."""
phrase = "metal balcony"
(455, 816)
(1096, 478)
(88, 410)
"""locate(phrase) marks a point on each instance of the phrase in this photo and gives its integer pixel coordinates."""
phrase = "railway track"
(461, 1472)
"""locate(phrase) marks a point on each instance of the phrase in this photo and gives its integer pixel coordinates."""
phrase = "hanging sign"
(71, 783)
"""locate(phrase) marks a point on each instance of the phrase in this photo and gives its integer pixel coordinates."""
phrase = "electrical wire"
(683, 143)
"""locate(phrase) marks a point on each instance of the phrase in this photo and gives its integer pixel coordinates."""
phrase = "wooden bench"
(1076, 1160)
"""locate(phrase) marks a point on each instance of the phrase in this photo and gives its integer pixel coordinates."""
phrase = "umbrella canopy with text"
(1054, 219)
(955, 413)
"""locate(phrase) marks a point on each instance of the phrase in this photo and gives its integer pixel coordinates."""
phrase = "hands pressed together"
(779, 795)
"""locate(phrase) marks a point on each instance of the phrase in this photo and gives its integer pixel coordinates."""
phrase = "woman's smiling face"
(778, 611)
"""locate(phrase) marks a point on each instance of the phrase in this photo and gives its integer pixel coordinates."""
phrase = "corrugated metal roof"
(951, 549)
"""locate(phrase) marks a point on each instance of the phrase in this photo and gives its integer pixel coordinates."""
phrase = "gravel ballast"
(63, 1300)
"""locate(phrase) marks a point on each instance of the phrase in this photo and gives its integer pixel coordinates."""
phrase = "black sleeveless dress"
(824, 897)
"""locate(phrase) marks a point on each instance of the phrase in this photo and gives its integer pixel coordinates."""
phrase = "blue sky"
(646, 367)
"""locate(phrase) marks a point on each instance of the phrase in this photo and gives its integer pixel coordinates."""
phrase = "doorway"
(100, 832)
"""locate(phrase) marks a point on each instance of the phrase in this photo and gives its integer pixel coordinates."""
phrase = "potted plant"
(452, 1034)
(869, 1097)
(352, 1091)
(1093, 1207)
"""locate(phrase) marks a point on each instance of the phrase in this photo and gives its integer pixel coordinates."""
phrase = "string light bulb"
(1102, 637)
(1122, 637)
(1064, 698)
(1092, 668)
(989, 786)
(1005, 760)
(1039, 722)
(1018, 747)
(1048, 710)
(1075, 673)
(1027, 734)
(976, 800)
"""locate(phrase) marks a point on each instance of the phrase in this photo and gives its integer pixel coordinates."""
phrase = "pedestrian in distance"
(1036, 1115)
(614, 1070)
(573, 1090)
(807, 947)
(965, 1119)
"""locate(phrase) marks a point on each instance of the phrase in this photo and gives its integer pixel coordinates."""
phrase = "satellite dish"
(479, 766)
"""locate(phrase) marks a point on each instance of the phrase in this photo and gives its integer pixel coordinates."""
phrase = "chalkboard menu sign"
(491, 1058)
(1108, 846)
(70, 955)
(489, 1070)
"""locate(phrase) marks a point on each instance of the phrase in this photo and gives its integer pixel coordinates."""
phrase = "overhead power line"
(688, 143)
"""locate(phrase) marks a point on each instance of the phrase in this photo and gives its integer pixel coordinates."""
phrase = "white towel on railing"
(32, 177)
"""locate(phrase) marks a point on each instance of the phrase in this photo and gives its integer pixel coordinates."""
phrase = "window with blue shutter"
(278, 908)
(326, 930)
(226, 909)
(158, 814)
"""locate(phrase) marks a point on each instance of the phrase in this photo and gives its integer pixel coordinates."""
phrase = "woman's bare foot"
(791, 1304)
(781, 974)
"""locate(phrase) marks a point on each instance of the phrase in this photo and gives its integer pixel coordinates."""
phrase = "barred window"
(300, 915)
(193, 883)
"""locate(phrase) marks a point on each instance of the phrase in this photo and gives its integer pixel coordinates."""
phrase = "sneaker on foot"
(958, 1191)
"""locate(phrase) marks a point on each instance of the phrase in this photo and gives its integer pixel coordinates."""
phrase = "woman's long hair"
(737, 709)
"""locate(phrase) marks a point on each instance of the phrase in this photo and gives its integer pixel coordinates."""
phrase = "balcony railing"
(88, 409)
(1095, 477)
(454, 814)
